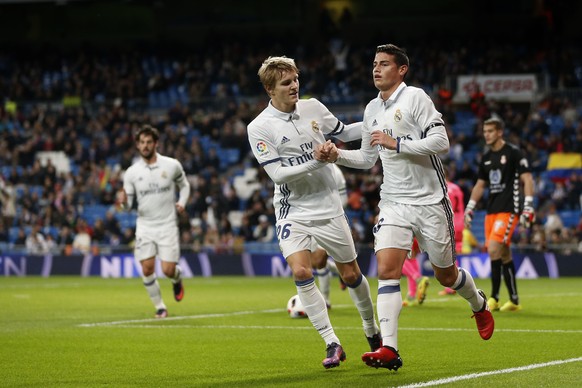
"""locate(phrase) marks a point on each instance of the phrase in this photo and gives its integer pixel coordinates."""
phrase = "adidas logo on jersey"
(285, 140)
(374, 122)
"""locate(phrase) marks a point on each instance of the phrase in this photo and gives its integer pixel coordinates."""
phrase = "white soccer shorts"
(333, 235)
(398, 223)
(163, 243)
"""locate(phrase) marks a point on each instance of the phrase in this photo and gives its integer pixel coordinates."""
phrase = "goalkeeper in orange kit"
(504, 170)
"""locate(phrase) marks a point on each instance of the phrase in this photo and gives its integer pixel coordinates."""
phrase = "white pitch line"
(491, 373)
(222, 327)
(497, 330)
(143, 325)
(202, 316)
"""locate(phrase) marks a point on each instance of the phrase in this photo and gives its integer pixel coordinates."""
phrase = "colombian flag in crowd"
(561, 165)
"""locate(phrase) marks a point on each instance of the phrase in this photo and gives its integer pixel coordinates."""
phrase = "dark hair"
(148, 130)
(400, 56)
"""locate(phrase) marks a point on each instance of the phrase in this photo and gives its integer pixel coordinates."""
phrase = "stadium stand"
(202, 99)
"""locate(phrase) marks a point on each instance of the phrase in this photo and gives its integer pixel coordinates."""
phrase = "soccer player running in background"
(306, 199)
(323, 267)
(152, 182)
(504, 170)
(458, 203)
(402, 126)
(417, 284)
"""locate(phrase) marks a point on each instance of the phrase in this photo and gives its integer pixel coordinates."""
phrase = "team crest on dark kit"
(495, 177)
(397, 115)
(503, 159)
(315, 126)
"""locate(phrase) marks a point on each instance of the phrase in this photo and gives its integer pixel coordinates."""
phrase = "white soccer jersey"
(283, 143)
(154, 187)
(413, 174)
(340, 181)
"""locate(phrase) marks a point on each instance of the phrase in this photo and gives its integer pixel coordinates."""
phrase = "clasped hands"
(328, 152)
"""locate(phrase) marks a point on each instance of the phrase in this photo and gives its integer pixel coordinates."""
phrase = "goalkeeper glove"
(528, 215)
(469, 214)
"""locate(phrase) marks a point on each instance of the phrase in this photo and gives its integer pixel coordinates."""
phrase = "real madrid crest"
(314, 126)
(164, 175)
(397, 115)
(503, 159)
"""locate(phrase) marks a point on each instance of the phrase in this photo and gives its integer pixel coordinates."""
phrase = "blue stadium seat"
(173, 95)
(153, 99)
(13, 232)
(353, 214)
(92, 213)
(6, 171)
(228, 156)
(53, 231)
(126, 219)
(556, 123)
(164, 99)
(113, 160)
(192, 134)
(206, 143)
(570, 218)
(36, 189)
(478, 225)
(183, 94)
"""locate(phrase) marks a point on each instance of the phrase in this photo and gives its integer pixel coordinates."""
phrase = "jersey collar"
(151, 166)
(393, 97)
(284, 115)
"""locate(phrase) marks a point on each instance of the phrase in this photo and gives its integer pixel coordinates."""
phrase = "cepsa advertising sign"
(502, 87)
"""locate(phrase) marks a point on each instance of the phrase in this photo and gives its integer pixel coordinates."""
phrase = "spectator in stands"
(111, 224)
(127, 238)
(478, 103)
(559, 195)
(444, 98)
(212, 160)
(99, 233)
(20, 239)
(35, 242)
(211, 241)
(8, 199)
(4, 232)
(265, 231)
(65, 237)
(197, 234)
(503, 168)
(41, 127)
(245, 231)
(51, 244)
(574, 191)
(553, 221)
(82, 240)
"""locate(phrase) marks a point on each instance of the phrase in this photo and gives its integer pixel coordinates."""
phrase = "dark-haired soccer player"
(152, 182)
(403, 127)
(504, 170)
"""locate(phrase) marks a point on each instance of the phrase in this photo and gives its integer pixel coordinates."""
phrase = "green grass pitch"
(234, 332)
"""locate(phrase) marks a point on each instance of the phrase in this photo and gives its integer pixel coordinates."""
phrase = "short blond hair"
(273, 68)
